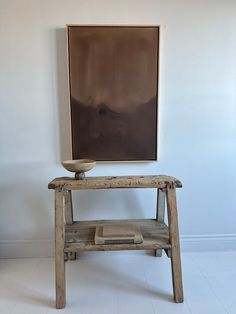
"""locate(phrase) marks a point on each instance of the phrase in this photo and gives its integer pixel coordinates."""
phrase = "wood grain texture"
(160, 212)
(152, 181)
(68, 207)
(80, 236)
(175, 246)
(59, 249)
(69, 217)
(113, 74)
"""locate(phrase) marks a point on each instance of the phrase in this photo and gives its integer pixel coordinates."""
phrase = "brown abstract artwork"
(113, 73)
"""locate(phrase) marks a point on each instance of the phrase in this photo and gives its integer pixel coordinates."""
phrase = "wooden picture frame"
(113, 80)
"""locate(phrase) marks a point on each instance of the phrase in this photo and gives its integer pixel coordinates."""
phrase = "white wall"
(197, 110)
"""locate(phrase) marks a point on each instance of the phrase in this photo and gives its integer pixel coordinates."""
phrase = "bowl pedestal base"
(79, 175)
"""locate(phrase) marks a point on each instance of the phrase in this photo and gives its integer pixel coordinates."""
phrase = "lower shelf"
(80, 236)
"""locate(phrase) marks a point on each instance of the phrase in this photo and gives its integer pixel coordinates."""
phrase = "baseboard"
(26, 248)
(45, 248)
(206, 242)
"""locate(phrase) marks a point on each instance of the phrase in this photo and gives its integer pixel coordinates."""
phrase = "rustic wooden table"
(74, 236)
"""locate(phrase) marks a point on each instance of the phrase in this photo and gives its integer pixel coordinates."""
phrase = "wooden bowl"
(79, 166)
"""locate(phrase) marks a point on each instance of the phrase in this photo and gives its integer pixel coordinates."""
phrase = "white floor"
(120, 283)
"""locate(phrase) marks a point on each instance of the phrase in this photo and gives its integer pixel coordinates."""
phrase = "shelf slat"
(80, 236)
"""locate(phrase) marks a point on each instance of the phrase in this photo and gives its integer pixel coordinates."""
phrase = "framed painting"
(113, 79)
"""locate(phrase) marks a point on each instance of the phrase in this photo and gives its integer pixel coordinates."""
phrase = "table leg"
(59, 249)
(175, 247)
(69, 217)
(160, 212)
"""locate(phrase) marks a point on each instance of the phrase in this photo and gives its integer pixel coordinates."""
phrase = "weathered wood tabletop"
(114, 182)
